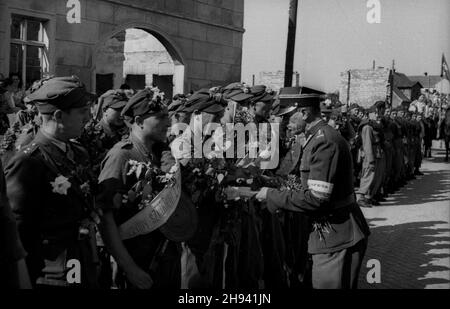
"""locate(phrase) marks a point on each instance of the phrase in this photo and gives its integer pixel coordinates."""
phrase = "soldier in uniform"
(261, 103)
(380, 172)
(369, 153)
(48, 187)
(99, 136)
(339, 231)
(399, 133)
(13, 269)
(151, 259)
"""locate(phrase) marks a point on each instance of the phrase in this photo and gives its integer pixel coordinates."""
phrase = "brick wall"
(366, 86)
(273, 79)
(205, 35)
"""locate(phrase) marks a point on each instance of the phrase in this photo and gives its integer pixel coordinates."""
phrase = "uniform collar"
(140, 147)
(60, 144)
(313, 127)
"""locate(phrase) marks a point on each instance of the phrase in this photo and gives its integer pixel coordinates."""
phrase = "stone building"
(370, 85)
(196, 43)
(366, 86)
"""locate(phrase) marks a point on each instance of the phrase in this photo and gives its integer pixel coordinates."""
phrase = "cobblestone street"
(411, 232)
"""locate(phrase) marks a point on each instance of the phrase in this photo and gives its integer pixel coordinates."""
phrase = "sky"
(334, 36)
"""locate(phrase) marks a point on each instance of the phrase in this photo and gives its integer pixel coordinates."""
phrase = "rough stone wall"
(206, 33)
(366, 86)
(273, 79)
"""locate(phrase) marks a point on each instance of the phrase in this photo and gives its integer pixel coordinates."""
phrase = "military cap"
(302, 100)
(295, 95)
(179, 96)
(114, 100)
(237, 92)
(210, 105)
(198, 96)
(260, 93)
(62, 93)
(380, 104)
(204, 101)
(279, 110)
(146, 102)
(176, 104)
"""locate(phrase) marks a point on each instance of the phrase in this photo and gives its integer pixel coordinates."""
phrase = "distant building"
(411, 89)
(275, 79)
(366, 86)
(432, 82)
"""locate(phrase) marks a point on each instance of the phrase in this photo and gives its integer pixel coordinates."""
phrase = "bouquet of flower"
(9, 139)
(203, 176)
(244, 116)
(150, 181)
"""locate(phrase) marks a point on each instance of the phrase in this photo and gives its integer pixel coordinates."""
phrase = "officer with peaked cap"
(150, 259)
(46, 184)
(338, 236)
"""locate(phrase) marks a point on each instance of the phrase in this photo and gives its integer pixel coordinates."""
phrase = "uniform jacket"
(327, 194)
(48, 222)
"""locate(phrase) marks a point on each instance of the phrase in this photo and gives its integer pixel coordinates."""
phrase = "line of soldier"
(387, 149)
(65, 187)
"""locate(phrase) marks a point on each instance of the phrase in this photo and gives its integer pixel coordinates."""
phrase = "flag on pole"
(445, 72)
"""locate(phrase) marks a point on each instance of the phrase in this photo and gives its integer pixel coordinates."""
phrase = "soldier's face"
(296, 125)
(181, 117)
(229, 113)
(155, 127)
(73, 121)
(261, 110)
(113, 117)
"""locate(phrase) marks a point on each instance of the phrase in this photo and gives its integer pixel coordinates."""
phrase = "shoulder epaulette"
(320, 134)
(31, 148)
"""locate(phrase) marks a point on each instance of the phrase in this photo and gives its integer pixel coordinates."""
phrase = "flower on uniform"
(61, 185)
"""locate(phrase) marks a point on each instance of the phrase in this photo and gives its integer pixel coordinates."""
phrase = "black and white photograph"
(207, 146)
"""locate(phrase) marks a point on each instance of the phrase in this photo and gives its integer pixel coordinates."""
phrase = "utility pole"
(391, 82)
(348, 87)
(290, 48)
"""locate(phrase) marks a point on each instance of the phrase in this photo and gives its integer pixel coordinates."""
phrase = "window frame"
(49, 24)
(24, 42)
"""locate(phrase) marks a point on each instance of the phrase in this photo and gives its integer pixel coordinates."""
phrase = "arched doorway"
(138, 57)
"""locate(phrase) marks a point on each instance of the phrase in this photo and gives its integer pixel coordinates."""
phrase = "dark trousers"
(338, 270)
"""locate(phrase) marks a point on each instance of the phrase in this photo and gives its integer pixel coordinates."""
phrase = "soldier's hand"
(262, 194)
(139, 278)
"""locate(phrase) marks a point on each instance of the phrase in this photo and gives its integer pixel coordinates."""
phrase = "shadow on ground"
(419, 191)
(408, 264)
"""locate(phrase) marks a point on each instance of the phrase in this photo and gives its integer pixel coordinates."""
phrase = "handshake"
(236, 193)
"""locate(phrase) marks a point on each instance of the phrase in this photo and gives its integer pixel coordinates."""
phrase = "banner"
(156, 213)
